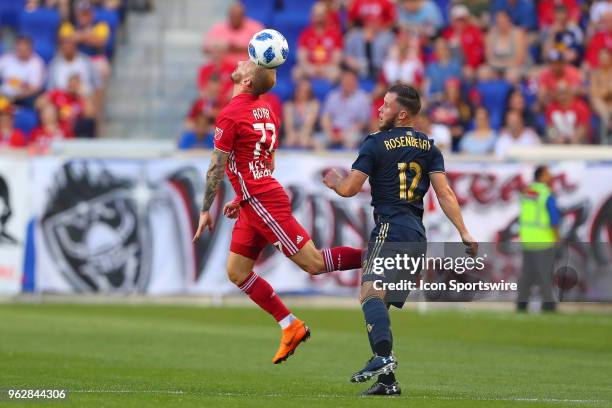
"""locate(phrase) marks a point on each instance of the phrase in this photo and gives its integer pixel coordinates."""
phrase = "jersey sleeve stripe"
(362, 172)
(221, 150)
(437, 171)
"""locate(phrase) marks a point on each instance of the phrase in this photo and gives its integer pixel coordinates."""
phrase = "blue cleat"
(375, 366)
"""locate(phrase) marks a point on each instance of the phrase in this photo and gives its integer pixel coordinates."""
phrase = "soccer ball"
(268, 48)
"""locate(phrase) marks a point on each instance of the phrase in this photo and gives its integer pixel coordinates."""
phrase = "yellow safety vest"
(535, 230)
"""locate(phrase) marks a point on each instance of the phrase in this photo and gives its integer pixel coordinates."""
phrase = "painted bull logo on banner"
(95, 231)
(5, 213)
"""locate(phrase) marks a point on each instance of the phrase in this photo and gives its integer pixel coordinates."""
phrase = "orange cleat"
(296, 333)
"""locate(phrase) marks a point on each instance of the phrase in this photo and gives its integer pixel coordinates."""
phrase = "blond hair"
(262, 79)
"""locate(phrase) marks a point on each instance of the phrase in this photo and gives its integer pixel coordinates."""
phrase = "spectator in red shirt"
(601, 94)
(234, 34)
(466, 37)
(209, 103)
(275, 103)
(48, 130)
(546, 11)
(568, 119)
(75, 111)
(319, 48)
(603, 39)
(364, 12)
(333, 14)
(9, 136)
(219, 70)
(556, 71)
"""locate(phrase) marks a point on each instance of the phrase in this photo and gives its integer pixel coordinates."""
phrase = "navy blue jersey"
(398, 162)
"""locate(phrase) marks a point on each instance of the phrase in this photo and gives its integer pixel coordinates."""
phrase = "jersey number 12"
(408, 194)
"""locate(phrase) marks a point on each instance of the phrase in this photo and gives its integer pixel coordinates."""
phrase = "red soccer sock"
(342, 258)
(262, 293)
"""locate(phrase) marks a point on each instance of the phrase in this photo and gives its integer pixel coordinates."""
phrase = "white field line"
(322, 396)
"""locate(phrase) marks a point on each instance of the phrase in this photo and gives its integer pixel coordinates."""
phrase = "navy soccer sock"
(378, 325)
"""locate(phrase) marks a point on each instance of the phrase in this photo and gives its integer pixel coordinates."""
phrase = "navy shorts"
(389, 240)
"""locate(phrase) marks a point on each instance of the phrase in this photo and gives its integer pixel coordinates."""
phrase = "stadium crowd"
(53, 79)
(493, 73)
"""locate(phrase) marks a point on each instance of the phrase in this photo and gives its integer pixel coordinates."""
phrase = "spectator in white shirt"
(515, 134)
(22, 73)
(440, 133)
(403, 63)
(70, 62)
(346, 113)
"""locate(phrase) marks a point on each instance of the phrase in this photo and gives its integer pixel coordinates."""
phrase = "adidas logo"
(299, 239)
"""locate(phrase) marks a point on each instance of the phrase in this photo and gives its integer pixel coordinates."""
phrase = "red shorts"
(267, 219)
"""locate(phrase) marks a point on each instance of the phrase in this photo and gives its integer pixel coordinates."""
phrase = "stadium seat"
(493, 96)
(301, 7)
(284, 84)
(26, 120)
(320, 88)
(110, 17)
(291, 26)
(444, 6)
(260, 10)
(367, 85)
(10, 11)
(41, 25)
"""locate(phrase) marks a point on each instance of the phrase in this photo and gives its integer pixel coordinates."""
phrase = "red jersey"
(471, 42)
(369, 11)
(546, 11)
(602, 39)
(247, 129)
(320, 46)
(567, 118)
(14, 139)
(69, 108)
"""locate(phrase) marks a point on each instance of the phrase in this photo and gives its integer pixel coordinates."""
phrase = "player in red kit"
(245, 141)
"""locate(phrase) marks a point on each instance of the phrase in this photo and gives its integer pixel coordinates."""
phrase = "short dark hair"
(24, 38)
(408, 97)
(539, 171)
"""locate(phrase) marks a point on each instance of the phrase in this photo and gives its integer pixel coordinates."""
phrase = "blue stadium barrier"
(41, 25)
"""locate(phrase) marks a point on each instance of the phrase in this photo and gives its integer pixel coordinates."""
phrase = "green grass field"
(144, 356)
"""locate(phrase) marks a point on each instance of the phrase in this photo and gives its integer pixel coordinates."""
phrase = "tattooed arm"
(214, 177)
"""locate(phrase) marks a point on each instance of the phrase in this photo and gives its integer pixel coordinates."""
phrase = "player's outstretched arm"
(214, 176)
(450, 206)
(345, 186)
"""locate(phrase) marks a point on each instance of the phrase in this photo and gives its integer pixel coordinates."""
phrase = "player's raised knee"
(236, 276)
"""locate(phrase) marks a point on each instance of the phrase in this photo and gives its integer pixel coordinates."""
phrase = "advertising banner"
(14, 212)
(125, 226)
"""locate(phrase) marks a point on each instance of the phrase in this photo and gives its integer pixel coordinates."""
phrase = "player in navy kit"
(400, 163)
